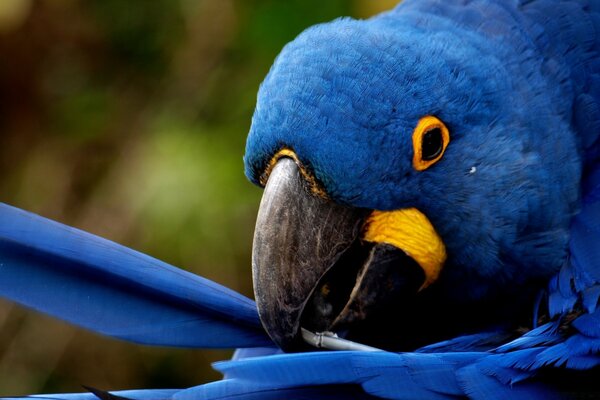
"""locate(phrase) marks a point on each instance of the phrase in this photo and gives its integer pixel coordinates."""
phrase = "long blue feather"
(477, 342)
(156, 394)
(248, 392)
(381, 374)
(116, 291)
(252, 390)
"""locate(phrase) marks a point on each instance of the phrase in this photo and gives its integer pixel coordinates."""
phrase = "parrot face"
(409, 177)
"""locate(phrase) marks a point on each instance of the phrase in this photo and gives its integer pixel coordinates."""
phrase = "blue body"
(516, 199)
(346, 96)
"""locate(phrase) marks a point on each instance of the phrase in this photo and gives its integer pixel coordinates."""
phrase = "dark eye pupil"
(431, 144)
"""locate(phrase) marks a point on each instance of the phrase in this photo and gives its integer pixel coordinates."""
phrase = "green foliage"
(274, 23)
(140, 34)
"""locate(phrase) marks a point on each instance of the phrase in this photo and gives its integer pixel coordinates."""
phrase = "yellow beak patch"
(412, 232)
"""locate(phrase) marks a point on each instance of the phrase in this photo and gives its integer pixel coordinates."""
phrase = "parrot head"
(414, 187)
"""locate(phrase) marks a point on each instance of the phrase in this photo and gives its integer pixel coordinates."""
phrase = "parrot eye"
(431, 144)
(430, 139)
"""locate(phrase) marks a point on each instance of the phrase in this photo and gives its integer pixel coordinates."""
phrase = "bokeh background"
(128, 119)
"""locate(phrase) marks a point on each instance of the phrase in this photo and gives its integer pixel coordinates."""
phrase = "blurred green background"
(128, 119)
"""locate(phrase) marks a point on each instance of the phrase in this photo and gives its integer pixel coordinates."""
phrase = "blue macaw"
(432, 189)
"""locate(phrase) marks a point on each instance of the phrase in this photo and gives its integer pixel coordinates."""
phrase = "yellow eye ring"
(430, 139)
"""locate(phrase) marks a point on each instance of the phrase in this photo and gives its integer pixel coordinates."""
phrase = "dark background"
(128, 119)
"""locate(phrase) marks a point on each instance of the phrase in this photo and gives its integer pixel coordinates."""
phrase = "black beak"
(311, 268)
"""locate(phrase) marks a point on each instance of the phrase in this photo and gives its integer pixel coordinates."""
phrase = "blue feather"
(544, 335)
(590, 298)
(105, 287)
(240, 390)
(155, 394)
(588, 324)
(480, 386)
(382, 374)
(477, 342)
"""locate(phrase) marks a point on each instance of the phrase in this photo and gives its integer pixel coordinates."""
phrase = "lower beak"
(313, 268)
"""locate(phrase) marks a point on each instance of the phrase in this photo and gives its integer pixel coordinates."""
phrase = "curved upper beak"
(298, 237)
(312, 267)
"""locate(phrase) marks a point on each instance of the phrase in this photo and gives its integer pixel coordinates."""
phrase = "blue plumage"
(116, 291)
(346, 97)
(516, 199)
(506, 77)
